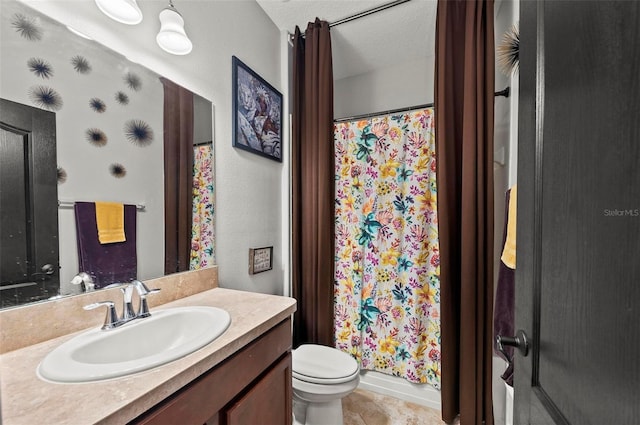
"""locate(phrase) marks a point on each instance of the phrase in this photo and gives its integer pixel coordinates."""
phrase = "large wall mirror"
(100, 119)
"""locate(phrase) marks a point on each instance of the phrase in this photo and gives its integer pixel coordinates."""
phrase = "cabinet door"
(268, 402)
(266, 361)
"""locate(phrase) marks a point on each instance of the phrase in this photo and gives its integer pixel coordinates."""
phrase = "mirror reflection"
(83, 172)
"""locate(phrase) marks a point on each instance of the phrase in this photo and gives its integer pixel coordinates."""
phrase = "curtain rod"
(361, 14)
(209, 142)
(367, 13)
(380, 113)
(504, 93)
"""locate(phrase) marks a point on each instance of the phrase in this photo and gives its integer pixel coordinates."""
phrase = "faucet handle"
(111, 319)
(143, 311)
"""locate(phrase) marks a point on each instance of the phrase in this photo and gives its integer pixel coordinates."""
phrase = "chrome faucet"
(112, 320)
(143, 308)
(85, 280)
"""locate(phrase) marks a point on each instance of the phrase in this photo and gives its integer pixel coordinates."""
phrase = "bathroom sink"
(142, 344)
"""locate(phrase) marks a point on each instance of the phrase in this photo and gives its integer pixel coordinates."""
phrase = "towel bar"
(69, 204)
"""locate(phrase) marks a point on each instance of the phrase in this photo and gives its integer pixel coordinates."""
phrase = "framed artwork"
(260, 259)
(257, 113)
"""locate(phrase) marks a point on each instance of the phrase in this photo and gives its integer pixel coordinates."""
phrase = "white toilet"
(322, 376)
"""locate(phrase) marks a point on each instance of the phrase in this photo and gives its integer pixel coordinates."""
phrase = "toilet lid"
(323, 365)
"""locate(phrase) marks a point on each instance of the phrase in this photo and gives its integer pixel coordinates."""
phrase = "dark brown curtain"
(178, 176)
(464, 87)
(312, 164)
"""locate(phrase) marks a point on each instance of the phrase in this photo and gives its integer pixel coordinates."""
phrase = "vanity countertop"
(26, 399)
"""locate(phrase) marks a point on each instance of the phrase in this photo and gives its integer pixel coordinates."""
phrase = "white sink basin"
(136, 346)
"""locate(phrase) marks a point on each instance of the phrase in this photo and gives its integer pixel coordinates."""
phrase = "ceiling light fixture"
(172, 38)
(124, 11)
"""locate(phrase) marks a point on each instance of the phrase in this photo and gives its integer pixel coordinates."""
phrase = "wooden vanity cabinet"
(251, 387)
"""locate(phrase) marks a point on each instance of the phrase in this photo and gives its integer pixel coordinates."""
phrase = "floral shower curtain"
(202, 228)
(387, 291)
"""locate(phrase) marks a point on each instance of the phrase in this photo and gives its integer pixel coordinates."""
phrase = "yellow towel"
(110, 221)
(509, 251)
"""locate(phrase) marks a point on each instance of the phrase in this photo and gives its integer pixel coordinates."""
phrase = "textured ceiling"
(392, 36)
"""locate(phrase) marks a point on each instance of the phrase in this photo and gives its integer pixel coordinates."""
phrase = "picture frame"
(257, 113)
(260, 259)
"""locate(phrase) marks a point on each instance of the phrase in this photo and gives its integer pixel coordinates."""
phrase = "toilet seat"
(319, 364)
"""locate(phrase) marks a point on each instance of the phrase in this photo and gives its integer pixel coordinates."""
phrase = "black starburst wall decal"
(97, 105)
(45, 97)
(27, 27)
(62, 175)
(133, 81)
(117, 170)
(96, 137)
(40, 67)
(122, 98)
(81, 64)
(138, 132)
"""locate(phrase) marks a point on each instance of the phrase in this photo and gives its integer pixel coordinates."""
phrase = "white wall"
(505, 148)
(202, 120)
(404, 85)
(248, 195)
(286, 74)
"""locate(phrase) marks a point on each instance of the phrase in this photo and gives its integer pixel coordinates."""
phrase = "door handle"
(520, 341)
(46, 271)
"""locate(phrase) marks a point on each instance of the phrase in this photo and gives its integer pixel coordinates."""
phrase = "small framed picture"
(260, 259)
(257, 113)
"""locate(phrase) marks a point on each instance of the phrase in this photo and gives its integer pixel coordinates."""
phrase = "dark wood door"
(578, 264)
(28, 204)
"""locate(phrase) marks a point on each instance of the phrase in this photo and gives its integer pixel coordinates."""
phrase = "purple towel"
(503, 310)
(108, 263)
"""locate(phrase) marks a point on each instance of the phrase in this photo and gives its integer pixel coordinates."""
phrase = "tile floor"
(368, 408)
